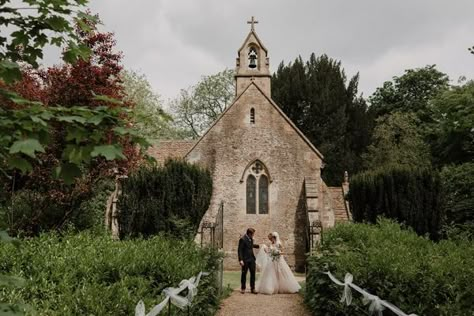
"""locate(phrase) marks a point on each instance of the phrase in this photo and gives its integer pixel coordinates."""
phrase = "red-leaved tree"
(55, 202)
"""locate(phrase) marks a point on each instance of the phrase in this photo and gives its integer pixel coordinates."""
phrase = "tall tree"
(317, 97)
(34, 25)
(410, 92)
(452, 131)
(397, 141)
(82, 132)
(196, 108)
(148, 116)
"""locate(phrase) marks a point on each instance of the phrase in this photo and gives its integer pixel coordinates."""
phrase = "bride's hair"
(277, 238)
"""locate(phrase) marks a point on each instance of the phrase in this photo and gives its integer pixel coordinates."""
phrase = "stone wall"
(228, 148)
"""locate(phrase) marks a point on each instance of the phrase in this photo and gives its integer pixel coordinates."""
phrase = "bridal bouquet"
(275, 254)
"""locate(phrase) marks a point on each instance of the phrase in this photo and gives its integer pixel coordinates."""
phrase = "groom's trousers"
(248, 266)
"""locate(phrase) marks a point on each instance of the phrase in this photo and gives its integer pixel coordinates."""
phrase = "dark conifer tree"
(318, 99)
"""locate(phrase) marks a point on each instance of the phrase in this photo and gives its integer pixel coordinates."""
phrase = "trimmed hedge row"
(410, 196)
(171, 199)
(85, 274)
(412, 272)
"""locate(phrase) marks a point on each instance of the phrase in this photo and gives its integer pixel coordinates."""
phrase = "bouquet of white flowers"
(275, 254)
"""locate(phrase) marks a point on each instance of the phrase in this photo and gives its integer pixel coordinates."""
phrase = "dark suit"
(246, 255)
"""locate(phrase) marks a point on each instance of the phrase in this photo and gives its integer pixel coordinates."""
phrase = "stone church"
(266, 173)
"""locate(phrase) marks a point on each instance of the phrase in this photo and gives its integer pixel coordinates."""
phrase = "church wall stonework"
(228, 148)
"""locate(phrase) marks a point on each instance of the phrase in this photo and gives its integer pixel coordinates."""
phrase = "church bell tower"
(252, 64)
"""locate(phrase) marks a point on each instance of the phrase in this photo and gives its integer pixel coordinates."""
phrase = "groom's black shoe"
(242, 291)
(254, 292)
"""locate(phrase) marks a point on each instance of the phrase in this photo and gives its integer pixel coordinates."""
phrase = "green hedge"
(410, 196)
(170, 199)
(86, 274)
(458, 186)
(412, 272)
(36, 210)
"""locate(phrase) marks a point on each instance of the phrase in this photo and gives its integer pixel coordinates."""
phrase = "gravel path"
(263, 305)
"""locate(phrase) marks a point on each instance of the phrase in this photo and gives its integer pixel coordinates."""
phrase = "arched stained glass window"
(251, 195)
(263, 195)
(257, 188)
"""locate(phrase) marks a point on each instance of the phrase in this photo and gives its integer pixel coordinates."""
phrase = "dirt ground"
(263, 305)
(249, 304)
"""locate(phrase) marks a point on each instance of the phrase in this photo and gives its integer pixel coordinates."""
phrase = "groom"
(247, 260)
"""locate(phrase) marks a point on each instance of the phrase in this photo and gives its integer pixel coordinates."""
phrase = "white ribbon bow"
(176, 299)
(172, 293)
(140, 308)
(347, 293)
(375, 304)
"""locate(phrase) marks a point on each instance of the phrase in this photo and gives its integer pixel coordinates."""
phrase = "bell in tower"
(252, 58)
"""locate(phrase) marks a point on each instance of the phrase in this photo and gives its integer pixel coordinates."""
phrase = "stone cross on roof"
(252, 22)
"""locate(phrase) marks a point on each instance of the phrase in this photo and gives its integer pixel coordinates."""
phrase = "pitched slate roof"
(170, 149)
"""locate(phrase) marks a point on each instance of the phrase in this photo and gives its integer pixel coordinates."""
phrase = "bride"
(276, 276)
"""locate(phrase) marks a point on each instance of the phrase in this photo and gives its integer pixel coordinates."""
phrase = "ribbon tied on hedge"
(172, 294)
(377, 305)
(192, 284)
(347, 294)
(140, 309)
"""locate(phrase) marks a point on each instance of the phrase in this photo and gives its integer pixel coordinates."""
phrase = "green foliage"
(86, 132)
(397, 140)
(452, 133)
(324, 105)
(458, 187)
(199, 106)
(411, 272)
(170, 199)
(410, 196)
(34, 24)
(151, 121)
(89, 132)
(84, 274)
(91, 210)
(410, 92)
(33, 211)
(8, 282)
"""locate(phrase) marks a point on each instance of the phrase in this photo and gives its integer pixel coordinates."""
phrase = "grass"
(232, 279)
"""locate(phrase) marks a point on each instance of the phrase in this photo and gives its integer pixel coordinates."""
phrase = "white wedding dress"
(276, 276)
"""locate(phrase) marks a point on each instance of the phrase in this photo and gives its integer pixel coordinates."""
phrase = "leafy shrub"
(91, 212)
(412, 272)
(85, 274)
(410, 196)
(32, 211)
(458, 187)
(170, 199)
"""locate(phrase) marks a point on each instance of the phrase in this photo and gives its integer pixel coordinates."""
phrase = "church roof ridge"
(280, 111)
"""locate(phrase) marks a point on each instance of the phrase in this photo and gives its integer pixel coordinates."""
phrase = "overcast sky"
(175, 42)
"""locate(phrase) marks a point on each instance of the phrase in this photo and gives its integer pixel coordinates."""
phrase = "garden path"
(263, 305)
